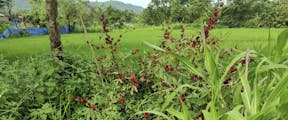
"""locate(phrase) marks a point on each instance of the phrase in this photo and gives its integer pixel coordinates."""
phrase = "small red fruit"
(242, 62)
(83, 100)
(168, 49)
(216, 12)
(120, 74)
(166, 68)
(133, 79)
(136, 85)
(171, 68)
(232, 69)
(182, 98)
(222, 4)
(121, 100)
(200, 117)
(161, 79)
(166, 84)
(146, 115)
(172, 40)
(93, 107)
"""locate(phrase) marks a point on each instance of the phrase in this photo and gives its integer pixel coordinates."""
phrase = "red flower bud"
(232, 69)
(166, 68)
(120, 74)
(166, 84)
(216, 12)
(83, 100)
(222, 4)
(200, 117)
(146, 115)
(133, 79)
(212, 20)
(172, 40)
(93, 107)
(168, 49)
(182, 98)
(136, 85)
(121, 100)
(171, 68)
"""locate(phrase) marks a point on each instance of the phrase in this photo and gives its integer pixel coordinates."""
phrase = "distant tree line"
(236, 13)
(70, 12)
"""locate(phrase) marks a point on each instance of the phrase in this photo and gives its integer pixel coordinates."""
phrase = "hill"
(119, 5)
(25, 5)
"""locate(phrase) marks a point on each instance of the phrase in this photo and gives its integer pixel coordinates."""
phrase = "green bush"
(3, 26)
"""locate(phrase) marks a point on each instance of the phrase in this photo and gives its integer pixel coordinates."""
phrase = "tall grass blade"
(154, 46)
(170, 97)
(155, 113)
(277, 92)
(189, 65)
(235, 114)
(282, 41)
(176, 113)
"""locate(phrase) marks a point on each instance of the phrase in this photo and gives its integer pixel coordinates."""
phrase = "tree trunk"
(53, 29)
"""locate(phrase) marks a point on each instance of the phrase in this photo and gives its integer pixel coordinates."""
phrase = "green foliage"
(170, 11)
(4, 25)
(255, 13)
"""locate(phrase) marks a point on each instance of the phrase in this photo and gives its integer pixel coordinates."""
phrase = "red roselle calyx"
(136, 85)
(133, 52)
(166, 84)
(121, 100)
(222, 4)
(92, 107)
(166, 68)
(232, 69)
(216, 12)
(120, 74)
(166, 34)
(146, 115)
(211, 22)
(133, 79)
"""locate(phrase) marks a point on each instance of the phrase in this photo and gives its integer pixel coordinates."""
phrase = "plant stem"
(92, 51)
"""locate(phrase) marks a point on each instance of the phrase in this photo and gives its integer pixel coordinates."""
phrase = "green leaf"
(154, 46)
(235, 114)
(272, 66)
(282, 41)
(183, 60)
(170, 97)
(155, 113)
(189, 65)
(278, 91)
(176, 113)
(187, 115)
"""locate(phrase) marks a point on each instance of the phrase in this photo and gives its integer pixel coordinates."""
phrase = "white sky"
(143, 3)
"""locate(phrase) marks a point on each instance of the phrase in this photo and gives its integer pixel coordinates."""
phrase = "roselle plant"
(184, 77)
(242, 73)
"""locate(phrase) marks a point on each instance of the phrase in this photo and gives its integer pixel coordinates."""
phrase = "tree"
(53, 28)
(2, 3)
(8, 4)
(37, 15)
(166, 11)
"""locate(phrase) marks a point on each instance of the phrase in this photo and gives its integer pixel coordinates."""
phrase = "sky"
(142, 3)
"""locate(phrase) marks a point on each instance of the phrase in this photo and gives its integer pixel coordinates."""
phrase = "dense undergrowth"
(185, 77)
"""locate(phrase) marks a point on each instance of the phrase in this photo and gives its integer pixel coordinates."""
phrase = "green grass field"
(132, 39)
